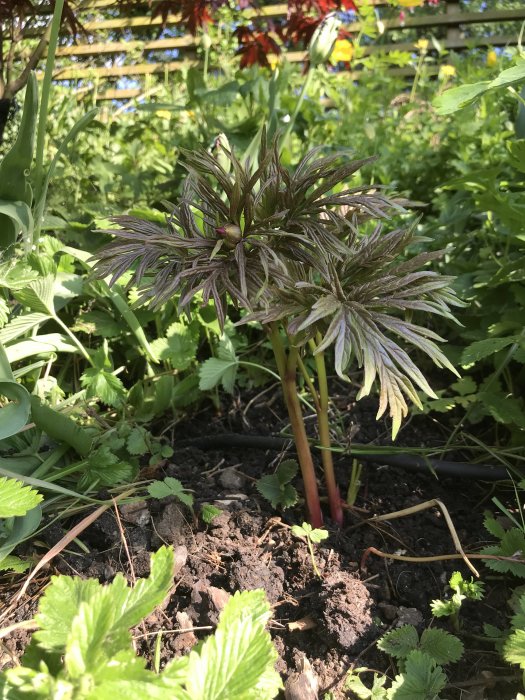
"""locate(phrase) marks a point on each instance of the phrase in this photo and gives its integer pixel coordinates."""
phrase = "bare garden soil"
(332, 621)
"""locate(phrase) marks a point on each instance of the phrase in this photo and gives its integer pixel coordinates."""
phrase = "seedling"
(303, 254)
(463, 590)
(277, 488)
(171, 487)
(311, 535)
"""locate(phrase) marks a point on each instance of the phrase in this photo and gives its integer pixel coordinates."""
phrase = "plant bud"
(231, 232)
(323, 39)
(220, 145)
(205, 41)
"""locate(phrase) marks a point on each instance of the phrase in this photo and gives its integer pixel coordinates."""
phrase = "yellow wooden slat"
(178, 42)
(118, 71)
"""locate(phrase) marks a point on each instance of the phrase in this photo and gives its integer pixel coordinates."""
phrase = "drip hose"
(364, 453)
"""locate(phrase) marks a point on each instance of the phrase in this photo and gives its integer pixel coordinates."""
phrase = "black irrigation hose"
(414, 463)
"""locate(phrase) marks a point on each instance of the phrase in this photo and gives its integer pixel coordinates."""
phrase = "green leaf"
(170, 487)
(150, 592)
(237, 662)
(16, 499)
(504, 409)
(444, 608)
(356, 685)
(14, 414)
(209, 512)
(421, 680)
(442, 647)
(483, 348)
(307, 531)
(58, 607)
(103, 385)
(276, 488)
(458, 97)
(399, 642)
(20, 325)
(136, 442)
(179, 347)
(45, 344)
(14, 183)
(21, 218)
(214, 371)
(91, 621)
(38, 295)
(11, 563)
(512, 544)
(98, 323)
(514, 648)
(18, 529)
(220, 369)
(60, 427)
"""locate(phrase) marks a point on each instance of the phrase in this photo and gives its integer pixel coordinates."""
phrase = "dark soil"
(334, 620)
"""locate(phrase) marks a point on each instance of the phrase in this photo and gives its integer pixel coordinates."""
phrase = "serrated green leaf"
(12, 563)
(179, 347)
(444, 608)
(276, 487)
(170, 487)
(317, 535)
(16, 499)
(214, 371)
(237, 662)
(150, 592)
(512, 544)
(245, 605)
(98, 323)
(103, 385)
(442, 647)
(57, 609)
(504, 409)
(356, 685)
(20, 325)
(38, 295)
(421, 680)
(514, 648)
(209, 512)
(399, 642)
(493, 526)
(136, 442)
(484, 348)
(91, 622)
(287, 470)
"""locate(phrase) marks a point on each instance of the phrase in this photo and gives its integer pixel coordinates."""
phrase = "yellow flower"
(343, 51)
(164, 114)
(492, 58)
(410, 3)
(273, 60)
(422, 45)
(447, 71)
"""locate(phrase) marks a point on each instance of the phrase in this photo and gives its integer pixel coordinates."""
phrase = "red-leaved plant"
(297, 252)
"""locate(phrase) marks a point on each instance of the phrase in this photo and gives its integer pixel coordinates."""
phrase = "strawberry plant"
(83, 649)
(303, 254)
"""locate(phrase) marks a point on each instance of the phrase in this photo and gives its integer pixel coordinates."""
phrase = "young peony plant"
(300, 253)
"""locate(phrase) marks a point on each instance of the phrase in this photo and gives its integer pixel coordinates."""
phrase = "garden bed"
(334, 620)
